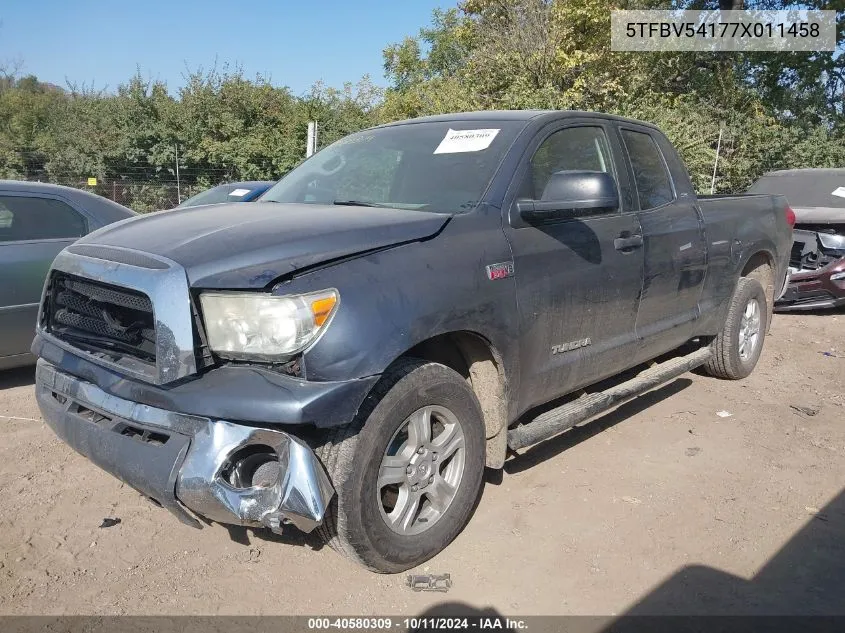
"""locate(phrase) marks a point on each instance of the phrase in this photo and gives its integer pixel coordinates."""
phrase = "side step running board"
(568, 415)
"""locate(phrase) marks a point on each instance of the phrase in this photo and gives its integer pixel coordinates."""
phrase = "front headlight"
(247, 325)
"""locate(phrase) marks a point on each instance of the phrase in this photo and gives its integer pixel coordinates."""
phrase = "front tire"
(737, 348)
(408, 471)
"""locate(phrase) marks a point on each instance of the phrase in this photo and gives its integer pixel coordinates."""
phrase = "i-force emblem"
(499, 271)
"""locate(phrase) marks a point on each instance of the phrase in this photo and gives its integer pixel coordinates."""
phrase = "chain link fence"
(143, 196)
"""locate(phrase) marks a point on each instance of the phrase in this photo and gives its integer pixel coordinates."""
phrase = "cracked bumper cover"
(177, 459)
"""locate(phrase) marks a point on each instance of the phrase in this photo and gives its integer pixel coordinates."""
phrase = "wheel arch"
(480, 363)
(760, 265)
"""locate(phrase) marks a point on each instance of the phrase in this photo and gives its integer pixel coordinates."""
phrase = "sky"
(294, 43)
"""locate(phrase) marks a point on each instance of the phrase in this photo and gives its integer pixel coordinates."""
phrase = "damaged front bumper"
(225, 472)
(817, 268)
(815, 289)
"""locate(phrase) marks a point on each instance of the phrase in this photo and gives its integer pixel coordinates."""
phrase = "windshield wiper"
(358, 203)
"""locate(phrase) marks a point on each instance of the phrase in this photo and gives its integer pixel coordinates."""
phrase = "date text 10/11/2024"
(491, 623)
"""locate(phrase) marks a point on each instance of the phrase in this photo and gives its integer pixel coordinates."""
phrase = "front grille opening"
(808, 296)
(58, 397)
(88, 414)
(100, 317)
(144, 435)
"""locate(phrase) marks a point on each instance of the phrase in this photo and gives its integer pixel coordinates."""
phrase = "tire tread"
(343, 438)
(725, 362)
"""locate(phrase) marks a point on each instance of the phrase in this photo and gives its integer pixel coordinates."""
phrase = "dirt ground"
(658, 506)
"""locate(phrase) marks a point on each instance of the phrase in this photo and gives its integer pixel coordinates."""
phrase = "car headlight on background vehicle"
(247, 325)
(832, 241)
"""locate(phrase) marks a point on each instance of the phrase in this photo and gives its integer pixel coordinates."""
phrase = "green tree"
(556, 54)
(25, 113)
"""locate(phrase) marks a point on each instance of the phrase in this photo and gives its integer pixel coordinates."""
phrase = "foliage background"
(776, 110)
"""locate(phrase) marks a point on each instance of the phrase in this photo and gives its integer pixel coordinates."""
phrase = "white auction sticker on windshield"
(457, 141)
(839, 191)
(239, 193)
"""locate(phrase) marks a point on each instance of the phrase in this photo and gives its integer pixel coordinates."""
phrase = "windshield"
(439, 167)
(222, 193)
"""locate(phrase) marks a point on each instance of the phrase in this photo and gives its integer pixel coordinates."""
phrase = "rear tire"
(403, 497)
(737, 348)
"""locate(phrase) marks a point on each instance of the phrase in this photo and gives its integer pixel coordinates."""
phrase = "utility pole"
(178, 188)
(716, 162)
(311, 141)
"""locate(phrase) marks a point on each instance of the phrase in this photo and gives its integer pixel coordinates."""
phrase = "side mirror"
(571, 194)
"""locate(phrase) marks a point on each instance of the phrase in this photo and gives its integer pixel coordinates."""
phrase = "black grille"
(100, 317)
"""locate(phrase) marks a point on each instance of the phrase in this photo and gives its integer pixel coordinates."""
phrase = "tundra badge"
(568, 347)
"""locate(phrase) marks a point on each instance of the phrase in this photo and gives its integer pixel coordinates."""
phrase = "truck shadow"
(805, 577)
(556, 445)
(18, 377)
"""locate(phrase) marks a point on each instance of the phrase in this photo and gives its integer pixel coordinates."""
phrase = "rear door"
(33, 229)
(674, 245)
(577, 293)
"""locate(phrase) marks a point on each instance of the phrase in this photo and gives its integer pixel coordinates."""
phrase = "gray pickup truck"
(413, 303)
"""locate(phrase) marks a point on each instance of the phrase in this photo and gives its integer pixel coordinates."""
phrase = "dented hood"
(250, 245)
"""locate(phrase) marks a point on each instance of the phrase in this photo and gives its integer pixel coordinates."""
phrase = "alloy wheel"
(421, 470)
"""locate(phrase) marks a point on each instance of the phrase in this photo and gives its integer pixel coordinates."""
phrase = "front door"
(578, 285)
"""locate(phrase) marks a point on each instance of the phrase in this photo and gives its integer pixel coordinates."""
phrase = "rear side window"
(24, 218)
(654, 186)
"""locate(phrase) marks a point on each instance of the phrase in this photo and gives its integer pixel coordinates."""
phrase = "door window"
(654, 185)
(572, 148)
(24, 218)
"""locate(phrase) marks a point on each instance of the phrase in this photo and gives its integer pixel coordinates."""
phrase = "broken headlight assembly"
(257, 326)
(832, 241)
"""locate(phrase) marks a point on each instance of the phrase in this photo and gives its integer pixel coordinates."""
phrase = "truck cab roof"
(536, 116)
